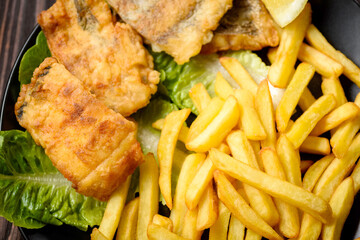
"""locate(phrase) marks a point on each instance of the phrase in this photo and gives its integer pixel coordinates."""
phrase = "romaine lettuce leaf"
(33, 192)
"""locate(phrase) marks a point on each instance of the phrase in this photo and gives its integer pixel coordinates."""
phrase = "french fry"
(199, 96)
(166, 147)
(306, 99)
(305, 164)
(236, 229)
(222, 88)
(317, 40)
(249, 119)
(340, 202)
(315, 145)
(332, 85)
(315, 171)
(189, 230)
(356, 177)
(149, 195)
(217, 130)
(290, 160)
(219, 230)
(275, 187)
(208, 209)
(163, 222)
(183, 134)
(344, 112)
(289, 224)
(240, 209)
(224, 148)
(188, 170)
(114, 207)
(323, 64)
(239, 74)
(128, 221)
(156, 232)
(292, 37)
(310, 228)
(251, 235)
(265, 110)
(293, 92)
(97, 235)
(307, 121)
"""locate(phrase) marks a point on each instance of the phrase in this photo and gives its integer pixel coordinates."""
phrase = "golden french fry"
(306, 99)
(163, 222)
(293, 92)
(236, 229)
(188, 170)
(342, 113)
(310, 228)
(315, 171)
(356, 177)
(305, 164)
(265, 110)
(292, 37)
(317, 40)
(156, 232)
(323, 64)
(240, 209)
(332, 85)
(340, 202)
(239, 74)
(208, 209)
(275, 187)
(289, 225)
(199, 96)
(217, 130)
(183, 134)
(249, 119)
(290, 160)
(219, 230)
(97, 235)
(224, 148)
(114, 207)
(149, 195)
(128, 221)
(222, 88)
(307, 121)
(251, 235)
(166, 147)
(189, 230)
(315, 145)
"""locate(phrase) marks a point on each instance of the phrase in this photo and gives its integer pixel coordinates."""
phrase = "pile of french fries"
(244, 178)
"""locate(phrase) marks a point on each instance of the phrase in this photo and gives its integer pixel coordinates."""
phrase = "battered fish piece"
(90, 144)
(178, 27)
(248, 25)
(108, 56)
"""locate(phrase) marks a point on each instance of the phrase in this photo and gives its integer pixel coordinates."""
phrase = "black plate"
(338, 20)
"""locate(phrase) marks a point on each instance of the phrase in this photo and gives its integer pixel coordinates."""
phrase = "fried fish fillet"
(178, 27)
(90, 144)
(247, 25)
(108, 56)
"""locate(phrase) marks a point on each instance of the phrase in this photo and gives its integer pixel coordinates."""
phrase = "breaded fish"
(247, 25)
(108, 56)
(178, 27)
(90, 144)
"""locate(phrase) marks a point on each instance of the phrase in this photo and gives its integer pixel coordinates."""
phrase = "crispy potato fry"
(166, 147)
(315, 171)
(290, 160)
(332, 85)
(163, 222)
(236, 229)
(114, 207)
(239, 74)
(224, 148)
(265, 110)
(356, 177)
(222, 88)
(219, 230)
(128, 221)
(289, 225)
(275, 187)
(345, 112)
(239, 208)
(305, 164)
(307, 121)
(306, 99)
(183, 134)
(199, 96)
(293, 92)
(208, 209)
(323, 64)
(292, 37)
(217, 130)
(317, 40)
(341, 202)
(149, 195)
(156, 232)
(97, 235)
(251, 235)
(310, 228)
(189, 230)
(315, 145)
(188, 170)
(249, 119)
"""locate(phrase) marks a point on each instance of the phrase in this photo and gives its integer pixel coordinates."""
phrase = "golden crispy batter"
(247, 25)
(90, 144)
(107, 56)
(178, 27)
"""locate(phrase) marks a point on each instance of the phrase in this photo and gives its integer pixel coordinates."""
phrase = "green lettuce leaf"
(32, 58)
(32, 191)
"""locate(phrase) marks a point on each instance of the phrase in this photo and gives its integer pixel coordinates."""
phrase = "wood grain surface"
(17, 20)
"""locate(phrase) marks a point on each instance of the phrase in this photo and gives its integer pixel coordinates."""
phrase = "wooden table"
(17, 19)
